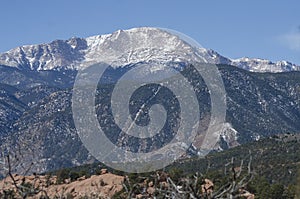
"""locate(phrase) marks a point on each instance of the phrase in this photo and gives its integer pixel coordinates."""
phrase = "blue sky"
(264, 29)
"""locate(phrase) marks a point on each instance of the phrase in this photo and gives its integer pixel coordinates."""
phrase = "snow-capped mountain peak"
(136, 45)
(58, 54)
(125, 47)
(264, 65)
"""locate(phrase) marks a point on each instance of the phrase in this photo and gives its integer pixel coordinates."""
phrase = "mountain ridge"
(39, 93)
(70, 53)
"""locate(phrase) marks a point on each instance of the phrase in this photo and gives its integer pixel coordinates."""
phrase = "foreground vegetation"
(264, 169)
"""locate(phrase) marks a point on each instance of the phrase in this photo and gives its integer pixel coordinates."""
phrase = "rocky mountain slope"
(259, 105)
(36, 90)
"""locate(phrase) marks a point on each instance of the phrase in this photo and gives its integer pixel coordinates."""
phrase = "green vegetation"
(275, 163)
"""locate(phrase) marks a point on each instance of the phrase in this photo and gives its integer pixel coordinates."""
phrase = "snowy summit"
(124, 47)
